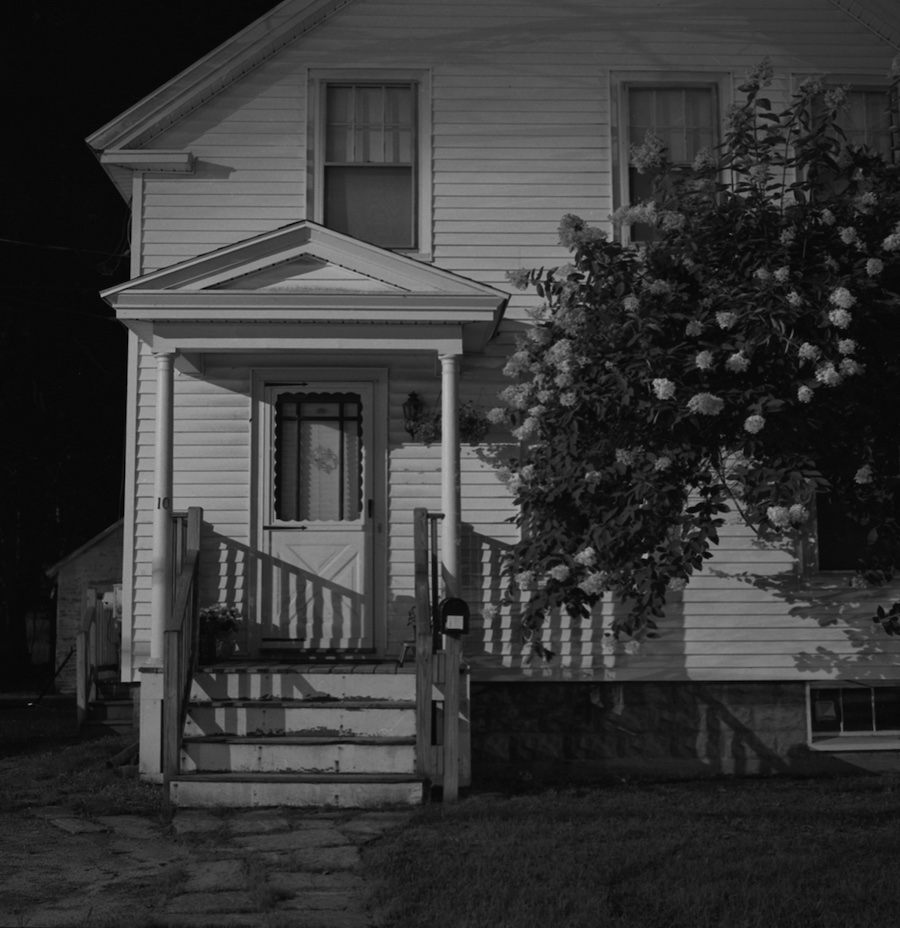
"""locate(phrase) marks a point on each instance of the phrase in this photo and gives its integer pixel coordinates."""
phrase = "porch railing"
(181, 636)
(442, 693)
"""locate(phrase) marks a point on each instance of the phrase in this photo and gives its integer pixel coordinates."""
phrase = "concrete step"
(288, 789)
(308, 755)
(384, 718)
(306, 681)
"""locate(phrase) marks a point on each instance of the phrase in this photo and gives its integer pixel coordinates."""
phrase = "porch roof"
(307, 284)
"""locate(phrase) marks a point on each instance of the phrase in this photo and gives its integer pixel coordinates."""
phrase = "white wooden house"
(324, 210)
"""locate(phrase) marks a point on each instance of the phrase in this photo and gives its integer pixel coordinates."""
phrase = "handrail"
(180, 643)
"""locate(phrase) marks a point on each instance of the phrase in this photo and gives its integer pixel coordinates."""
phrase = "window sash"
(369, 164)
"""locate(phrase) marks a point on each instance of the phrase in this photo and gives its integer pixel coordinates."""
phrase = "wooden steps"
(338, 734)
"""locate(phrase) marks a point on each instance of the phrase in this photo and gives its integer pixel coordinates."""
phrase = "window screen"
(370, 169)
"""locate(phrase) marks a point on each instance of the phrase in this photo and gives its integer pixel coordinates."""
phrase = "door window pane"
(318, 457)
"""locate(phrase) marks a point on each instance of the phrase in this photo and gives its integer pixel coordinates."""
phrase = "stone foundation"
(556, 733)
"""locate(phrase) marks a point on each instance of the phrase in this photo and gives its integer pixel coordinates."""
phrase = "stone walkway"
(266, 867)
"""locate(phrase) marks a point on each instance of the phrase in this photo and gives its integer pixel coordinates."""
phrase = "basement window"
(854, 717)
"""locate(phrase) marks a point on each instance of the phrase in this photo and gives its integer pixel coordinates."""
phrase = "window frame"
(621, 82)
(872, 740)
(318, 81)
(855, 82)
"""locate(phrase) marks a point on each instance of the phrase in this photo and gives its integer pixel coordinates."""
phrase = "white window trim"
(841, 742)
(317, 79)
(620, 82)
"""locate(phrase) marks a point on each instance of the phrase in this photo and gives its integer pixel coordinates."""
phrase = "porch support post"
(161, 564)
(450, 472)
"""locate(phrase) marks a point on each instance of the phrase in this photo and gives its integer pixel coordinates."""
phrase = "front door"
(317, 533)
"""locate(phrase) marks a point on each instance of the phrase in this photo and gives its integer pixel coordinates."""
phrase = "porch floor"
(320, 666)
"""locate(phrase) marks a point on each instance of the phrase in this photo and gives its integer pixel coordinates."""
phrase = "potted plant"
(219, 626)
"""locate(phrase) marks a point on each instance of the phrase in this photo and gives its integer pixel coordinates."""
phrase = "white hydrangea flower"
(849, 367)
(496, 415)
(677, 584)
(874, 266)
(540, 335)
(798, 514)
(587, 557)
(568, 398)
(892, 242)
(842, 298)
(827, 374)
(846, 346)
(527, 429)
(726, 320)
(624, 456)
(706, 404)
(662, 463)
(794, 298)
(693, 328)
(779, 516)
(663, 388)
(632, 646)
(864, 475)
(827, 217)
(809, 352)
(631, 303)
(787, 237)
(763, 274)
(804, 394)
(704, 360)
(593, 477)
(560, 572)
(738, 362)
(593, 583)
(782, 274)
(848, 235)
(754, 424)
(525, 580)
(840, 318)
(492, 611)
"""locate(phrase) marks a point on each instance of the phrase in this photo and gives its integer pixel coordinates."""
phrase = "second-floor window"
(683, 117)
(369, 174)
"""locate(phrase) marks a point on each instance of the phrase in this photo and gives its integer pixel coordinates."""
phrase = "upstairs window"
(683, 115)
(369, 171)
(866, 120)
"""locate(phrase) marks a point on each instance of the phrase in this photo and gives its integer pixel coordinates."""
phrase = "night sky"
(69, 66)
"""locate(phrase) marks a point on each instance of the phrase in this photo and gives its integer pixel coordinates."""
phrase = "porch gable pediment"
(307, 274)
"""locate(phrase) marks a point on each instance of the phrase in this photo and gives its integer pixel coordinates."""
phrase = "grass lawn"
(702, 854)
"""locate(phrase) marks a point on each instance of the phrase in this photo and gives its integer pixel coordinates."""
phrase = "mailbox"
(454, 617)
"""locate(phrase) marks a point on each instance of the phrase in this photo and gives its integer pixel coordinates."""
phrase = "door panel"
(316, 578)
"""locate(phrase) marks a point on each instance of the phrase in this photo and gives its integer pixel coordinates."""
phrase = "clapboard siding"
(522, 117)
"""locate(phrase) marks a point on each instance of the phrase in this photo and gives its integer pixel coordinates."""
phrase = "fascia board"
(149, 159)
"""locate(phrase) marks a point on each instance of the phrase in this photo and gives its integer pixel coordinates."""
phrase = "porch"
(335, 730)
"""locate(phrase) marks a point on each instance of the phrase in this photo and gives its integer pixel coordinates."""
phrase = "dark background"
(68, 67)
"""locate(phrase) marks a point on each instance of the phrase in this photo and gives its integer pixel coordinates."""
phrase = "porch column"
(161, 564)
(450, 472)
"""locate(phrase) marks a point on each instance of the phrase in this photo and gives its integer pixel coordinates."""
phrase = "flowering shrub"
(220, 622)
(473, 425)
(744, 360)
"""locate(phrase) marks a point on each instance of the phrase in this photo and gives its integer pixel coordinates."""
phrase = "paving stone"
(330, 919)
(130, 826)
(302, 882)
(326, 859)
(77, 826)
(191, 823)
(210, 903)
(257, 826)
(314, 901)
(214, 876)
(291, 840)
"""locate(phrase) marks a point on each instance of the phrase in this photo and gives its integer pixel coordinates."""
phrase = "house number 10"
(162, 503)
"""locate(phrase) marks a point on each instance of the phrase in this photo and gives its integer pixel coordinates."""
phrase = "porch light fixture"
(412, 411)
